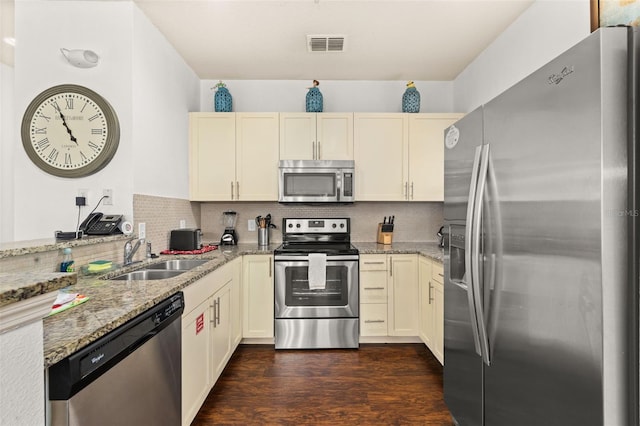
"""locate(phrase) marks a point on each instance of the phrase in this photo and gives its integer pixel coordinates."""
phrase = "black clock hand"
(64, 123)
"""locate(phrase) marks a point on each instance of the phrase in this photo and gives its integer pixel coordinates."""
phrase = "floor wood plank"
(399, 384)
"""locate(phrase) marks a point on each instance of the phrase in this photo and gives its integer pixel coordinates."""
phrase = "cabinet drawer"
(373, 287)
(373, 262)
(437, 272)
(373, 319)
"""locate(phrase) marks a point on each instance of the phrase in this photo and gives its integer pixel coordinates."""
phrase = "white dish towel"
(317, 271)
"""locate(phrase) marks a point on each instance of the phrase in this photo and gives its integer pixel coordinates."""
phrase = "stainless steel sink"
(148, 274)
(177, 264)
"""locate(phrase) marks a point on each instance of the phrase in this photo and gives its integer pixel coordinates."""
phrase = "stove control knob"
(297, 225)
(342, 225)
(333, 226)
(291, 225)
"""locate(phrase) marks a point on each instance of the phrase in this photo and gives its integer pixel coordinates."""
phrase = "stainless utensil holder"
(263, 236)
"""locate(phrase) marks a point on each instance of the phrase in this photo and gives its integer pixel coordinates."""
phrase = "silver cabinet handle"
(232, 190)
(406, 190)
(372, 321)
(373, 288)
(412, 190)
(237, 190)
(442, 275)
(318, 145)
(391, 266)
(313, 148)
(374, 263)
(269, 268)
(430, 287)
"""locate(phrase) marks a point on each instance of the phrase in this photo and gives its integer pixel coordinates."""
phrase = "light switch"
(252, 225)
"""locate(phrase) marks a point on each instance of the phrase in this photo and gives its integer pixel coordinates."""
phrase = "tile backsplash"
(414, 222)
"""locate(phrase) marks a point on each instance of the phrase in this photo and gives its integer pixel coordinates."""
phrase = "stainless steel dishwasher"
(131, 376)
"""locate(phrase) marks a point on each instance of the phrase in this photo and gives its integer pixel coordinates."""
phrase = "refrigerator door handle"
(475, 253)
(467, 249)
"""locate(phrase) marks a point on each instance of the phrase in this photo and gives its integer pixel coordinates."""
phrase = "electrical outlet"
(108, 193)
(252, 225)
(183, 223)
(142, 230)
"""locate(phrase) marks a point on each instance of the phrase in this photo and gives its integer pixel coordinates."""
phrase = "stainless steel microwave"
(316, 181)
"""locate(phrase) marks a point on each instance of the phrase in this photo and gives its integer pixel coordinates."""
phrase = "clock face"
(70, 131)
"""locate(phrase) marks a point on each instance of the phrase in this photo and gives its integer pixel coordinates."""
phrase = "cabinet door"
(379, 150)
(220, 330)
(438, 314)
(196, 360)
(212, 156)
(334, 136)
(426, 314)
(426, 155)
(257, 140)
(236, 302)
(297, 136)
(258, 291)
(403, 309)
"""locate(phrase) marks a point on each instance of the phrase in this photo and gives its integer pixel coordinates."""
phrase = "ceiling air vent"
(325, 43)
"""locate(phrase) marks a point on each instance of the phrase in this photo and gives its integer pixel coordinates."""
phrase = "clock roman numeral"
(96, 131)
(83, 106)
(94, 117)
(43, 144)
(45, 117)
(93, 146)
(84, 157)
(67, 158)
(53, 155)
(69, 102)
(39, 131)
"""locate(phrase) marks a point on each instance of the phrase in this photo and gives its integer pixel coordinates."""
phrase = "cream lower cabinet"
(257, 295)
(403, 309)
(373, 295)
(233, 156)
(389, 295)
(316, 136)
(432, 307)
(210, 324)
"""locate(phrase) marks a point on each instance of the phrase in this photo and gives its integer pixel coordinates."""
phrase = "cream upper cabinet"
(316, 136)
(426, 155)
(379, 149)
(257, 289)
(257, 137)
(212, 155)
(233, 156)
(403, 306)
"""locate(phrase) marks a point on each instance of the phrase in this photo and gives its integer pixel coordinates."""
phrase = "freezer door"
(557, 170)
(463, 366)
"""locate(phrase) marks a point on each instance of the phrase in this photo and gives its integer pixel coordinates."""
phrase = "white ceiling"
(385, 39)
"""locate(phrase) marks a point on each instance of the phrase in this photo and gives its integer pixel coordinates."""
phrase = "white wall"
(164, 90)
(44, 203)
(542, 32)
(337, 95)
(7, 148)
(143, 78)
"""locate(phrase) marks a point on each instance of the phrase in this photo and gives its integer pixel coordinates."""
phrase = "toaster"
(185, 239)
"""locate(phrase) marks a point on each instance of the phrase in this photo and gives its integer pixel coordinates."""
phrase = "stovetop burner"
(304, 236)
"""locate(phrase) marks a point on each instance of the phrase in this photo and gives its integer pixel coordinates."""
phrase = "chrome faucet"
(130, 250)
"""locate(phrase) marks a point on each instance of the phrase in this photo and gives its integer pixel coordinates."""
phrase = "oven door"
(294, 299)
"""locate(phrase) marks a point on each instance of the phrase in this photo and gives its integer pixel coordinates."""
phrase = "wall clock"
(70, 131)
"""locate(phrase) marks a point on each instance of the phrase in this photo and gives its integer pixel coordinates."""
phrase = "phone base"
(74, 235)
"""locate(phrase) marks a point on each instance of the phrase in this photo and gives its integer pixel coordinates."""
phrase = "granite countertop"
(19, 248)
(112, 303)
(15, 287)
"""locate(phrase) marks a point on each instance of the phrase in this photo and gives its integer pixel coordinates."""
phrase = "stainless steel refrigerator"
(541, 263)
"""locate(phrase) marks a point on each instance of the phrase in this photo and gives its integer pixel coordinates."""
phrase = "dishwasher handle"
(73, 373)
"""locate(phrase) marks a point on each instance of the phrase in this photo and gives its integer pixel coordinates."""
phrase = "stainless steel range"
(316, 285)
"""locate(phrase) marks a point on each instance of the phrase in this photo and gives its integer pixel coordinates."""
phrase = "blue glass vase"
(314, 100)
(411, 100)
(222, 100)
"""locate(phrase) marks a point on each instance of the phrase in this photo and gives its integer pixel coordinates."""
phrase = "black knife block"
(385, 233)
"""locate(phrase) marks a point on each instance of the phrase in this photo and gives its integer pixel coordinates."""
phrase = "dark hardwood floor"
(399, 384)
